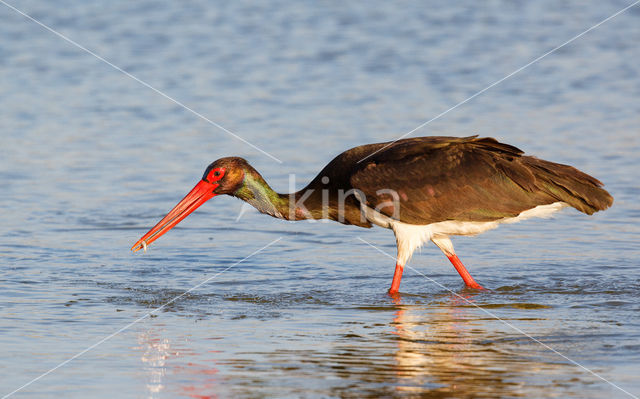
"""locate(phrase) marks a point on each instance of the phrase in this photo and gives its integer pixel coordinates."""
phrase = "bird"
(423, 189)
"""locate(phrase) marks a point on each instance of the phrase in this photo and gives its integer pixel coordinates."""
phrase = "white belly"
(412, 236)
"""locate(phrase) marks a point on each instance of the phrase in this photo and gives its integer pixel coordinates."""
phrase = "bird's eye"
(214, 175)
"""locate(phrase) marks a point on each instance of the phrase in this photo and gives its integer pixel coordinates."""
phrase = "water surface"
(90, 159)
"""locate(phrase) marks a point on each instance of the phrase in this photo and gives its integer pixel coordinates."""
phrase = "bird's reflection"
(450, 349)
(436, 351)
(430, 346)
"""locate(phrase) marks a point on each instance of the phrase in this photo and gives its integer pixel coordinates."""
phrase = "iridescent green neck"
(259, 194)
(311, 202)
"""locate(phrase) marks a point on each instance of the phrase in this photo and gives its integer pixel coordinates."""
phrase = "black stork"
(425, 188)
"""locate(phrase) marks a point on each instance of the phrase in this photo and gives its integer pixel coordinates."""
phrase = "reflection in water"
(187, 375)
(440, 347)
(154, 357)
(448, 351)
(437, 353)
(89, 160)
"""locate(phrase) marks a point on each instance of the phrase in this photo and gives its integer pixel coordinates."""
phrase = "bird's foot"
(475, 286)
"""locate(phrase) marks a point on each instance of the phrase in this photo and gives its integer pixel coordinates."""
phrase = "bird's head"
(224, 176)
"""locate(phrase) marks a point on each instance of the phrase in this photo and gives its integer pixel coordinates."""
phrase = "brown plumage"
(424, 188)
(464, 179)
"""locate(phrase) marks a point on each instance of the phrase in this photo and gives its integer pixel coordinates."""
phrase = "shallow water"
(90, 159)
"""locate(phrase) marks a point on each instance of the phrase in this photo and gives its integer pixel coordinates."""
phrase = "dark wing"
(469, 179)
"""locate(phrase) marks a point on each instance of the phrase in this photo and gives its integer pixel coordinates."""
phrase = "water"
(90, 159)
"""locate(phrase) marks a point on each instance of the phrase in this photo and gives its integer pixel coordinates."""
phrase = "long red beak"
(202, 192)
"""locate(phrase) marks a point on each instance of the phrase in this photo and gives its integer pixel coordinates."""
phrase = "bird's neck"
(261, 196)
(315, 201)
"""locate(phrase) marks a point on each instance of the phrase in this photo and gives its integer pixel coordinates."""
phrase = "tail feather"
(568, 184)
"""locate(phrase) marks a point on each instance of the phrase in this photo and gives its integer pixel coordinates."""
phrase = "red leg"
(468, 280)
(395, 284)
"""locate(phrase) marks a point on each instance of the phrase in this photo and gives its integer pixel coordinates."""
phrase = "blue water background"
(91, 158)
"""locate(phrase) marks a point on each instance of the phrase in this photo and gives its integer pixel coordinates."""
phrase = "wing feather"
(448, 178)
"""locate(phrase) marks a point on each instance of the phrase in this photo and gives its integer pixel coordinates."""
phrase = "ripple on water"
(90, 161)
